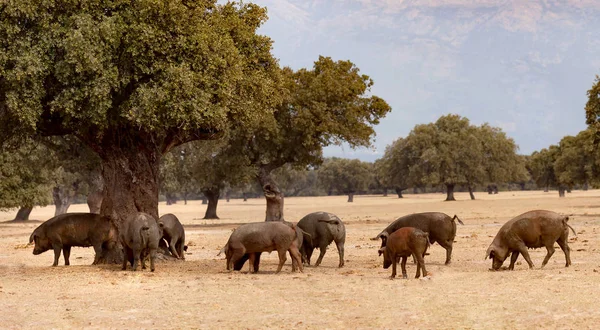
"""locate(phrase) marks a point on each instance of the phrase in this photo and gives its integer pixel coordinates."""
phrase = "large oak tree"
(132, 80)
(327, 104)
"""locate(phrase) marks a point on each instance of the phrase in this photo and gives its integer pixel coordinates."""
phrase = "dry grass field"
(200, 293)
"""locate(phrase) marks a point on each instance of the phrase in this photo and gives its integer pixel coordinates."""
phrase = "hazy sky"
(522, 65)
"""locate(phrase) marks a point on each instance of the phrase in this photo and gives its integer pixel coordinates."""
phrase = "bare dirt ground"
(200, 293)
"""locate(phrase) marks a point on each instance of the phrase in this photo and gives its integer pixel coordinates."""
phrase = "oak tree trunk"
(171, 198)
(399, 192)
(546, 189)
(245, 196)
(212, 194)
(23, 213)
(272, 193)
(585, 186)
(561, 191)
(350, 197)
(471, 193)
(94, 201)
(385, 193)
(63, 198)
(450, 192)
(130, 176)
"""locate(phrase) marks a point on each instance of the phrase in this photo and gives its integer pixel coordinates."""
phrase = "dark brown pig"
(440, 226)
(404, 242)
(140, 237)
(174, 234)
(322, 229)
(253, 238)
(74, 229)
(530, 230)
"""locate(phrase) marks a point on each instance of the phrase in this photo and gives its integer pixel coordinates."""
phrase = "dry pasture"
(200, 293)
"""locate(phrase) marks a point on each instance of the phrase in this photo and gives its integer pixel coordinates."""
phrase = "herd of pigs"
(411, 235)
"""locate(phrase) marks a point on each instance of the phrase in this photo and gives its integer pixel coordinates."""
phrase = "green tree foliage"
(347, 176)
(132, 80)
(592, 109)
(453, 152)
(576, 162)
(541, 167)
(216, 166)
(25, 180)
(328, 104)
(393, 169)
(74, 169)
(297, 182)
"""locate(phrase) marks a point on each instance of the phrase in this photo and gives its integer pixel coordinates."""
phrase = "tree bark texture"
(23, 213)
(63, 198)
(94, 201)
(399, 192)
(561, 191)
(351, 197)
(450, 192)
(471, 193)
(130, 173)
(273, 194)
(212, 195)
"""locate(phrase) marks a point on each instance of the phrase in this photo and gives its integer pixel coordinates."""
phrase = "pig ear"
(32, 238)
(381, 251)
(490, 252)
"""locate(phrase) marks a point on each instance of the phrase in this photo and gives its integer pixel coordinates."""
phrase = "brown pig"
(253, 238)
(74, 229)
(530, 230)
(404, 242)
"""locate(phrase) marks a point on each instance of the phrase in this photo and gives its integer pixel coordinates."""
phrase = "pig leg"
(550, 249)
(136, 259)
(251, 259)
(57, 248)
(179, 247)
(67, 254)
(152, 257)
(143, 256)
(297, 259)
(98, 252)
(448, 247)
(309, 252)
(125, 254)
(172, 245)
(525, 253)
(282, 259)
(422, 264)
(340, 248)
(566, 249)
(237, 255)
(322, 250)
(513, 259)
(403, 265)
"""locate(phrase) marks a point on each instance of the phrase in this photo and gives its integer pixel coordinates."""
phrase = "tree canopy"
(132, 80)
(347, 176)
(328, 104)
(452, 152)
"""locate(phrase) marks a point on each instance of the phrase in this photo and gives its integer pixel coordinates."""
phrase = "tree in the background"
(25, 180)
(393, 168)
(575, 163)
(446, 152)
(453, 152)
(347, 176)
(541, 167)
(501, 162)
(74, 170)
(132, 80)
(294, 181)
(217, 165)
(176, 174)
(327, 104)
